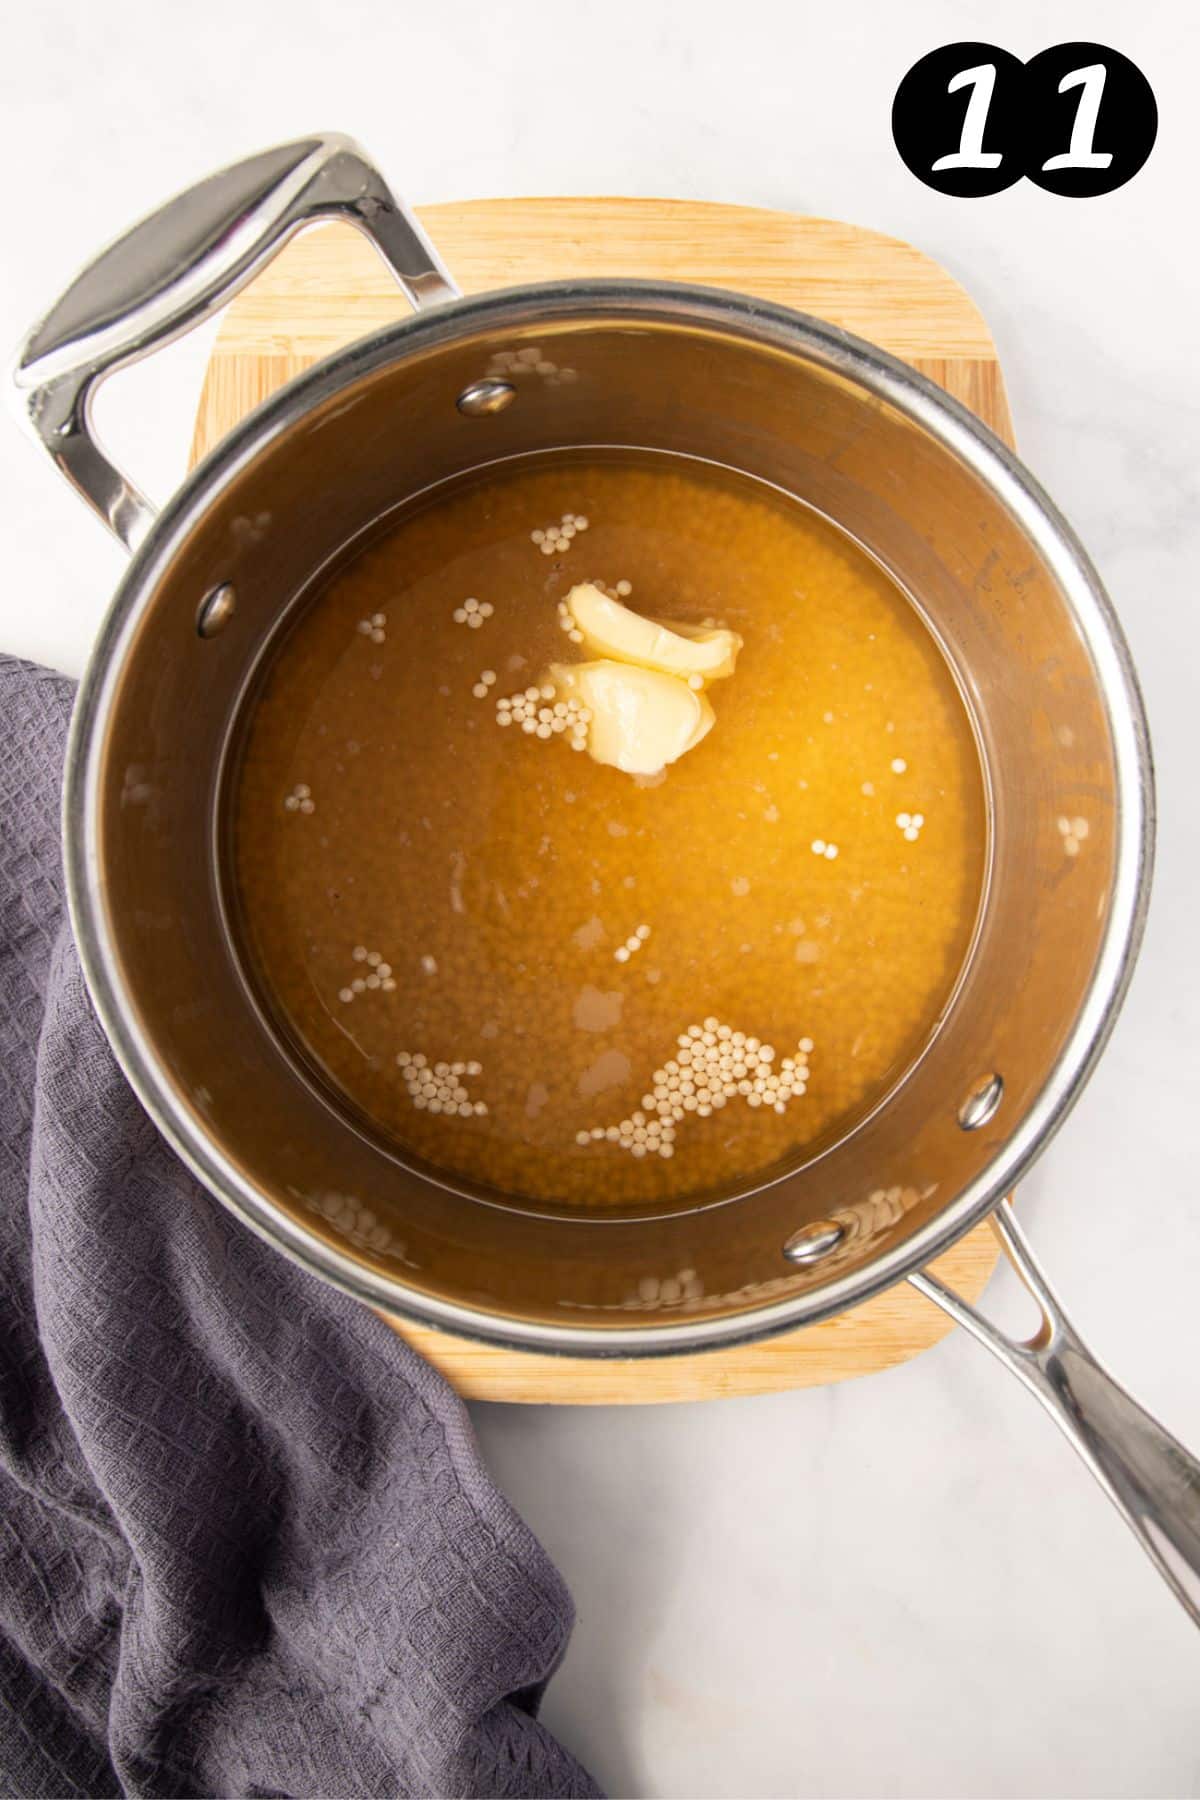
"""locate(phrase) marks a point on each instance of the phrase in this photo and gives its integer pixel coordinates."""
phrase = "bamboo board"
(329, 287)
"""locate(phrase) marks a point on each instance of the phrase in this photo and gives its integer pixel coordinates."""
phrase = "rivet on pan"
(812, 1242)
(981, 1102)
(484, 397)
(215, 610)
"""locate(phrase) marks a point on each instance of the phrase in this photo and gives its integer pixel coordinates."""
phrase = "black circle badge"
(957, 119)
(1090, 119)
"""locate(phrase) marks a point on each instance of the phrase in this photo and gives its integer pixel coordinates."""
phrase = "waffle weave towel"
(247, 1546)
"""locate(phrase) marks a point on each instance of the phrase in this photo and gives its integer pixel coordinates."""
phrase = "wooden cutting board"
(329, 287)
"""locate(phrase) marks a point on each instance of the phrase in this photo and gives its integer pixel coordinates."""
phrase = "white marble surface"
(904, 1586)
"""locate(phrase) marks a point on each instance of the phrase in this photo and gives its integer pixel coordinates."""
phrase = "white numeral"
(971, 153)
(1079, 153)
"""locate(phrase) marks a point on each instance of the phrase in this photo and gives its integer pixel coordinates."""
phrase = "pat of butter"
(610, 629)
(641, 719)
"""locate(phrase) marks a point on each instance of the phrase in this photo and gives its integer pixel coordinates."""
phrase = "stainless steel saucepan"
(909, 474)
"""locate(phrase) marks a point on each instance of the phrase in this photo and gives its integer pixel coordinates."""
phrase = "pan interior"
(411, 881)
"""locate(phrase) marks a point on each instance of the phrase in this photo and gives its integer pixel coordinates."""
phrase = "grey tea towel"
(246, 1543)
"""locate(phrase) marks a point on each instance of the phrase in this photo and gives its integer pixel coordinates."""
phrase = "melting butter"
(613, 630)
(641, 720)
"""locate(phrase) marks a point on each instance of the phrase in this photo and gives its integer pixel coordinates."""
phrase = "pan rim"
(662, 305)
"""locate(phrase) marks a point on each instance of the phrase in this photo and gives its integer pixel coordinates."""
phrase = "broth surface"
(486, 878)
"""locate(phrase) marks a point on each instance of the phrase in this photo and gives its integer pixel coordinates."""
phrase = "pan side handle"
(174, 270)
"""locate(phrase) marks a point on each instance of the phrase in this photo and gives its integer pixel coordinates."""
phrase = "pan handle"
(176, 268)
(1148, 1475)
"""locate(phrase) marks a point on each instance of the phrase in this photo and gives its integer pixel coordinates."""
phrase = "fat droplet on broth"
(597, 1011)
(535, 1099)
(611, 1069)
(589, 934)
